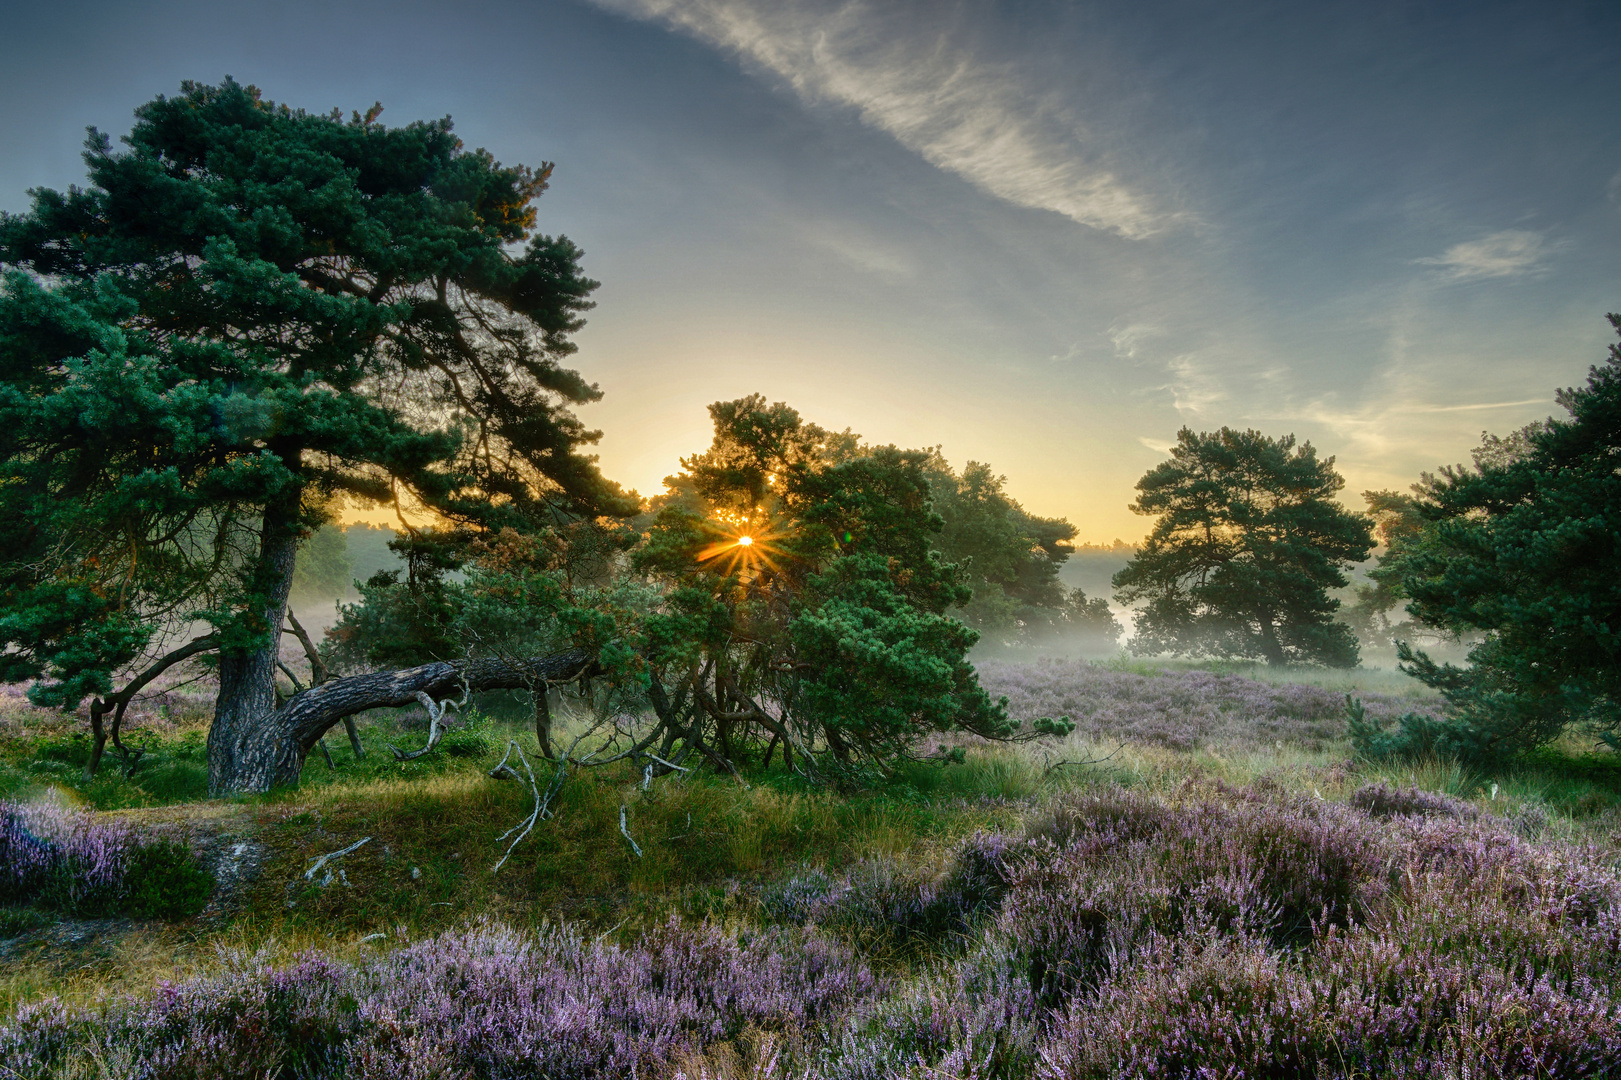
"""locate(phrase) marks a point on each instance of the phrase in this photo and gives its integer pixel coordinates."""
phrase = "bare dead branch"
(625, 832)
(320, 861)
(436, 716)
(1089, 761)
(298, 687)
(318, 670)
(542, 802)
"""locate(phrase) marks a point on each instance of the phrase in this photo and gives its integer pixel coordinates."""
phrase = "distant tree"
(403, 617)
(1248, 542)
(1088, 621)
(248, 310)
(1010, 557)
(1397, 526)
(1525, 548)
(323, 570)
(369, 551)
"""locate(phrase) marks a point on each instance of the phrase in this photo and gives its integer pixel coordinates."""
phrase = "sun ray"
(746, 546)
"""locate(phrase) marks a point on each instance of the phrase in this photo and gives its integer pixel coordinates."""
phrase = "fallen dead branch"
(333, 856)
(542, 807)
(625, 832)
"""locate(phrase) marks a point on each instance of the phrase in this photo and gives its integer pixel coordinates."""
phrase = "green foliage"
(165, 881)
(827, 628)
(402, 623)
(1248, 543)
(878, 671)
(1009, 557)
(1058, 728)
(1416, 737)
(193, 351)
(1525, 549)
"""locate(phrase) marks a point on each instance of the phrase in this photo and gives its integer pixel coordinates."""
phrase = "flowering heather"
(1381, 800)
(1183, 710)
(1218, 933)
(487, 1001)
(54, 853)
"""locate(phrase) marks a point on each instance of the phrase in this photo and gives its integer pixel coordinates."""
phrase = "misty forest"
(356, 721)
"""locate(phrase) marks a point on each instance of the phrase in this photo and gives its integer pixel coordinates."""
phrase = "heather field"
(1199, 881)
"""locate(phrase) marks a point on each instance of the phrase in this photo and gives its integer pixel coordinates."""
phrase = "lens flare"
(745, 546)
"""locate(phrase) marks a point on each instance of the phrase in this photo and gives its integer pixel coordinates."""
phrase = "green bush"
(20, 920)
(166, 882)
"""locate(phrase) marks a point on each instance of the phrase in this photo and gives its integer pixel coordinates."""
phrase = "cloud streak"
(1502, 254)
(976, 119)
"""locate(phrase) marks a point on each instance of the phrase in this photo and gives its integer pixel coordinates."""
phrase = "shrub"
(1416, 736)
(1184, 710)
(63, 857)
(484, 1001)
(165, 881)
(1381, 801)
(887, 908)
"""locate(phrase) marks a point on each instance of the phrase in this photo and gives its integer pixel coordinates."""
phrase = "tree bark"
(240, 756)
(283, 738)
(543, 723)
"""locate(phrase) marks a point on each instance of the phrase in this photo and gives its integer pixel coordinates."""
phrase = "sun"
(745, 546)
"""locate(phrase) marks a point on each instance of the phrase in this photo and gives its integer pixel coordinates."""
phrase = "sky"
(1043, 234)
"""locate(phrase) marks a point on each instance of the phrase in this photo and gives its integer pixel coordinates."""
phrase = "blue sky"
(1044, 235)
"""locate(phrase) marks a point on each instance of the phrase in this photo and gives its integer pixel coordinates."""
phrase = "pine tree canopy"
(249, 310)
(1248, 542)
(1525, 548)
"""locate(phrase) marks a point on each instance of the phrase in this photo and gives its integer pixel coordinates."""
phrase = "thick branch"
(164, 663)
(307, 717)
(119, 701)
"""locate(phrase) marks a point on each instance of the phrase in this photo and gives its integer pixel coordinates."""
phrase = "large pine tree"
(1524, 550)
(249, 310)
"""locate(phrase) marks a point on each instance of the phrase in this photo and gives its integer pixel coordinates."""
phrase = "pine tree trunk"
(243, 752)
(1271, 648)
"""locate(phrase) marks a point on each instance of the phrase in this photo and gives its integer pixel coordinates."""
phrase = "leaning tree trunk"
(283, 738)
(240, 756)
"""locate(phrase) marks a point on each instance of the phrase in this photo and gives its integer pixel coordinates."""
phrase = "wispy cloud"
(1194, 382)
(969, 116)
(1195, 385)
(858, 250)
(1502, 254)
(1482, 407)
(1155, 445)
